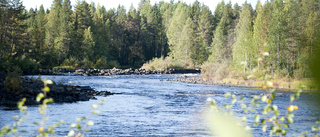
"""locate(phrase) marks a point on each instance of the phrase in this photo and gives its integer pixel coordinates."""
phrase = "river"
(151, 106)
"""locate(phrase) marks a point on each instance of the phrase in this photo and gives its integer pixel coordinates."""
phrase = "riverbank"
(115, 71)
(256, 84)
(30, 88)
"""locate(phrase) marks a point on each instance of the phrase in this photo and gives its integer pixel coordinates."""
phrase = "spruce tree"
(243, 49)
(277, 35)
(174, 33)
(63, 41)
(205, 30)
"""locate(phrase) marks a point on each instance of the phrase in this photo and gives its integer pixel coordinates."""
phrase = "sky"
(212, 4)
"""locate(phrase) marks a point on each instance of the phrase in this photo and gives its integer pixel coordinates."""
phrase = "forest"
(278, 36)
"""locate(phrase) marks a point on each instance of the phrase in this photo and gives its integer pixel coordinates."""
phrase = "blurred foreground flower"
(292, 108)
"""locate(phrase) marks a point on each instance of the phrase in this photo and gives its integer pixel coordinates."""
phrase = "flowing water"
(149, 105)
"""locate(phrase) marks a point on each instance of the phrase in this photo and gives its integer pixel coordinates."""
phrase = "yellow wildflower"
(292, 108)
(40, 129)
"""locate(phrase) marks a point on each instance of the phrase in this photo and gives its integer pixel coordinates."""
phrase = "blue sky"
(127, 3)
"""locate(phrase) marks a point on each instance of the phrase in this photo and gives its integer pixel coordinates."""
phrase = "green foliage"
(244, 50)
(101, 63)
(87, 44)
(161, 64)
(23, 64)
(71, 61)
(113, 64)
(13, 81)
(62, 68)
(28, 65)
(189, 34)
(86, 63)
(179, 33)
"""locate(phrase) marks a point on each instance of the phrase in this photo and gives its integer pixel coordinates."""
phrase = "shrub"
(29, 65)
(13, 81)
(213, 71)
(62, 67)
(101, 63)
(162, 64)
(301, 73)
(71, 62)
(113, 64)
(86, 63)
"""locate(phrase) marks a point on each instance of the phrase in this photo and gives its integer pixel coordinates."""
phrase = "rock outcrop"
(30, 88)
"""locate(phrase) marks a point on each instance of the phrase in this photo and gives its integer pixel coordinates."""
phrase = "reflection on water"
(150, 106)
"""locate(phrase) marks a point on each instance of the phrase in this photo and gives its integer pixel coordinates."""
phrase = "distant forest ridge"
(89, 36)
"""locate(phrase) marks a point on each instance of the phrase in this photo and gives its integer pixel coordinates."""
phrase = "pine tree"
(33, 33)
(16, 28)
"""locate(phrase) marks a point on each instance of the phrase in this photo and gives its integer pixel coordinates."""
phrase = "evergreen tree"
(260, 30)
(174, 33)
(81, 20)
(205, 30)
(219, 50)
(134, 40)
(277, 35)
(166, 11)
(32, 31)
(291, 11)
(218, 13)
(87, 44)
(63, 41)
(52, 32)
(41, 23)
(101, 35)
(244, 50)
(120, 35)
(53, 22)
(15, 38)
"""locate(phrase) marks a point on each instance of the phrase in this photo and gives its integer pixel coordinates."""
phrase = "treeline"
(232, 40)
(86, 35)
(277, 37)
